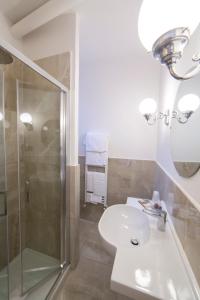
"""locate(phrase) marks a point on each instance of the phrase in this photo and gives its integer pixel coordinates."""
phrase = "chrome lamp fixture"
(187, 105)
(148, 108)
(165, 28)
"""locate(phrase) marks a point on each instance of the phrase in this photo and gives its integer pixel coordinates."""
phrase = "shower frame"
(64, 140)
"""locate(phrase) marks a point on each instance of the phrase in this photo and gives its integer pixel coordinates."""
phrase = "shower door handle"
(3, 204)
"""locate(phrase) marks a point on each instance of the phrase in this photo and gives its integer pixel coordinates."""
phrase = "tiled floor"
(92, 212)
(91, 279)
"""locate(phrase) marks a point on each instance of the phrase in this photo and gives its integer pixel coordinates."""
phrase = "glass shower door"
(4, 291)
(40, 173)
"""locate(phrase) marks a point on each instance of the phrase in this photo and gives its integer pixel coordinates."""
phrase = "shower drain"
(134, 242)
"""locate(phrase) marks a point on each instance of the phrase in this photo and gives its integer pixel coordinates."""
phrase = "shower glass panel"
(34, 231)
(3, 205)
(40, 180)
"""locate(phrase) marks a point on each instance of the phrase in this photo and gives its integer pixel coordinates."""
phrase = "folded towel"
(96, 158)
(94, 198)
(96, 183)
(96, 142)
(99, 183)
(90, 182)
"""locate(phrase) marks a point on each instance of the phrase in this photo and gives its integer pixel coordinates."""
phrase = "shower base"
(36, 267)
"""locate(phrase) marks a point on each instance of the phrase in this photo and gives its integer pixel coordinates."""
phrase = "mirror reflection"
(185, 143)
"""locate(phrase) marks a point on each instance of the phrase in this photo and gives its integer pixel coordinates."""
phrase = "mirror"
(185, 140)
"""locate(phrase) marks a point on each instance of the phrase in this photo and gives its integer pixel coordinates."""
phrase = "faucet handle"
(163, 214)
(162, 219)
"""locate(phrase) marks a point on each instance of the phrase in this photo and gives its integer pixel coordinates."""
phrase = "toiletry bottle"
(156, 200)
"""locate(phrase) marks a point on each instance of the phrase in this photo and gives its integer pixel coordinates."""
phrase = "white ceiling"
(108, 28)
(15, 10)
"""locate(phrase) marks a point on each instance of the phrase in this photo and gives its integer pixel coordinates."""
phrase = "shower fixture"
(165, 29)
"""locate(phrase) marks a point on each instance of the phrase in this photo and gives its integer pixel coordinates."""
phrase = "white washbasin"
(122, 223)
(153, 270)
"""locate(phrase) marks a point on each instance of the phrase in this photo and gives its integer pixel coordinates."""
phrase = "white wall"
(115, 75)
(110, 93)
(168, 90)
(58, 36)
(5, 33)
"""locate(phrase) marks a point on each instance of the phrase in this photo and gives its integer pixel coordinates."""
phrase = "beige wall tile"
(74, 194)
(58, 66)
(138, 178)
(185, 217)
(126, 178)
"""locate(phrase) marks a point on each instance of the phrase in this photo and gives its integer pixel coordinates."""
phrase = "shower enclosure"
(33, 209)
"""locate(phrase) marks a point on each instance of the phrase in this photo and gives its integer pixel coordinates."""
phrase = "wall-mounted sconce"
(165, 27)
(187, 105)
(148, 109)
(1, 116)
(27, 119)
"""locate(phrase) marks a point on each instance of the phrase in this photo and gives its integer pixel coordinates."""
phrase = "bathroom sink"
(123, 226)
(147, 263)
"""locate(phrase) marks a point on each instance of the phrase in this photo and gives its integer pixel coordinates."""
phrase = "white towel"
(96, 142)
(96, 183)
(99, 184)
(94, 198)
(96, 158)
(90, 182)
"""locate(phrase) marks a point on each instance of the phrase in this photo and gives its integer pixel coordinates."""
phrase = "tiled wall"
(10, 223)
(126, 178)
(11, 72)
(40, 156)
(138, 178)
(37, 214)
(185, 216)
(58, 66)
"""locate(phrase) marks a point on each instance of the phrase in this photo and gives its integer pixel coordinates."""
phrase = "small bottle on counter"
(156, 200)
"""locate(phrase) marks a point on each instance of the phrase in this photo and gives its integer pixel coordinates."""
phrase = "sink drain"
(134, 242)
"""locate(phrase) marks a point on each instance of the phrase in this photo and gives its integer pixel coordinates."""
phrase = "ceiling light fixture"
(165, 28)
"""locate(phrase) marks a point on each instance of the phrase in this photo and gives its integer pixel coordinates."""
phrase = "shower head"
(5, 57)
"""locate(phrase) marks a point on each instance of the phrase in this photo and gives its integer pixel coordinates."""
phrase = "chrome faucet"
(162, 219)
(161, 214)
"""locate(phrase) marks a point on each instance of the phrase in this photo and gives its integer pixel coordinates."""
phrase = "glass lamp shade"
(189, 102)
(156, 17)
(26, 118)
(148, 106)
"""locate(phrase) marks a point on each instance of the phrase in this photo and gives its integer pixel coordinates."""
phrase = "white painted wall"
(53, 38)
(110, 93)
(5, 33)
(168, 90)
(58, 36)
(115, 75)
